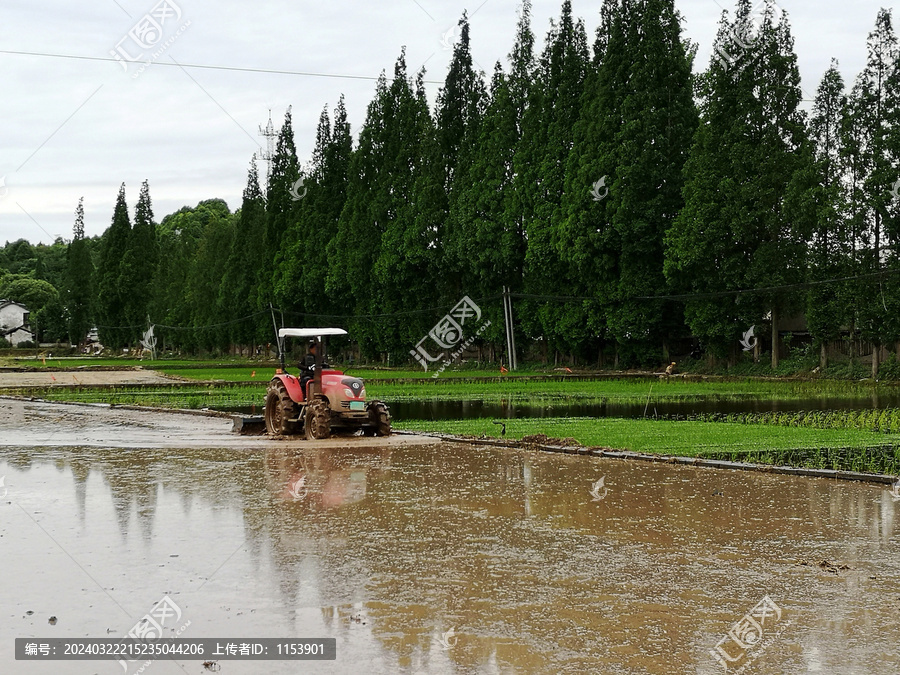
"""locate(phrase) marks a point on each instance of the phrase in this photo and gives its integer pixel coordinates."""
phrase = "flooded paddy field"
(438, 558)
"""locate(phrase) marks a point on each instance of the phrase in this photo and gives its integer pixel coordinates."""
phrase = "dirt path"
(38, 424)
(89, 377)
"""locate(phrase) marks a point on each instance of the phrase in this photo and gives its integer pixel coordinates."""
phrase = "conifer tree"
(873, 106)
(112, 298)
(540, 162)
(139, 264)
(636, 127)
(282, 209)
(79, 281)
(827, 307)
(238, 292)
(745, 179)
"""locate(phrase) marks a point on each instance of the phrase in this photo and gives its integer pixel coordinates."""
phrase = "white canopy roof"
(309, 332)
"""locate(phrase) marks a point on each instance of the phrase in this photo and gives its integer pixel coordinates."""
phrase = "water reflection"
(567, 407)
(429, 409)
(391, 550)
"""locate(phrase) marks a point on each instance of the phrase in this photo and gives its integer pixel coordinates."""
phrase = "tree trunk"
(876, 354)
(823, 356)
(774, 339)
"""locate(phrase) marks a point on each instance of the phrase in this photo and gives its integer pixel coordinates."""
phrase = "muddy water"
(450, 559)
(566, 407)
(434, 409)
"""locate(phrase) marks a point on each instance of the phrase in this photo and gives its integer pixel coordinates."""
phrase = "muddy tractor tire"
(280, 409)
(318, 420)
(380, 424)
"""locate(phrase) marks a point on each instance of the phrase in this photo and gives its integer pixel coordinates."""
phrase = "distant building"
(14, 323)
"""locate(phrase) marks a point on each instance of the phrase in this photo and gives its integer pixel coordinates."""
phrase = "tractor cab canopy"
(309, 332)
(315, 334)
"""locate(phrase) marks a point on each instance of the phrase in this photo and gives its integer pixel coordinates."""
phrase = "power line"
(769, 289)
(527, 296)
(427, 310)
(203, 66)
(412, 312)
(715, 294)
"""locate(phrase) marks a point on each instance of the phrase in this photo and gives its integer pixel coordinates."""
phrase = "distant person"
(670, 369)
(308, 366)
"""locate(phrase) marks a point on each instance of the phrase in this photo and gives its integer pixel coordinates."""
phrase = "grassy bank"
(845, 449)
(850, 440)
(245, 393)
(627, 391)
(244, 386)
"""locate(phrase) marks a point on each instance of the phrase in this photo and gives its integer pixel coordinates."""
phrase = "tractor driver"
(308, 366)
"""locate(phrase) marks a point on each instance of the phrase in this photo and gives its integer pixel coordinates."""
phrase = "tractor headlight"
(362, 393)
(349, 393)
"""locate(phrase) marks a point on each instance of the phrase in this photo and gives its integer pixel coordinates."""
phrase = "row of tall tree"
(626, 202)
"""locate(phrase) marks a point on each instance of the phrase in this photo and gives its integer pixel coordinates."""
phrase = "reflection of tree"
(81, 470)
(504, 546)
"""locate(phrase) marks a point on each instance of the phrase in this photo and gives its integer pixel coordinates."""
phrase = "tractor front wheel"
(279, 409)
(380, 419)
(318, 420)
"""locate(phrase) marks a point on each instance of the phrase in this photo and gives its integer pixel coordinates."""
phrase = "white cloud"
(192, 136)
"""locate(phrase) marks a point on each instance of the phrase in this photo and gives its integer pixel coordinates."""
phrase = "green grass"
(261, 373)
(883, 420)
(625, 390)
(838, 449)
(265, 371)
(689, 439)
(851, 440)
(79, 362)
(246, 390)
(216, 397)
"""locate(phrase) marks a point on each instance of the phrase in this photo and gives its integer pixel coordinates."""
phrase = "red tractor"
(331, 400)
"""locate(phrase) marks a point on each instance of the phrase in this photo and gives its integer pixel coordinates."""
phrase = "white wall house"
(14, 322)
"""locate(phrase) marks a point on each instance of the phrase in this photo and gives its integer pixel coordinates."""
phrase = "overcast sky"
(71, 128)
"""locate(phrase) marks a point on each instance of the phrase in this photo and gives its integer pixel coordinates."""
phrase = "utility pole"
(510, 332)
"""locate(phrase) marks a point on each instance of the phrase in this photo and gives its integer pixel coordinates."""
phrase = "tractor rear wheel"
(279, 409)
(318, 420)
(380, 419)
